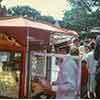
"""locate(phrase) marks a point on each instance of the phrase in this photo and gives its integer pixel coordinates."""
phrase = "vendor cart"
(18, 37)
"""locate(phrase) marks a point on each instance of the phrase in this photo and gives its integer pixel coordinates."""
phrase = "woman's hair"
(74, 51)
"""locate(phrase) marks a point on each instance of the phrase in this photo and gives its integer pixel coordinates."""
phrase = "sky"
(53, 8)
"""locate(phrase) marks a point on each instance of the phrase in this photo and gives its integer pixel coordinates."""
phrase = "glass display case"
(40, 86)
(10, 71)
(38, 66)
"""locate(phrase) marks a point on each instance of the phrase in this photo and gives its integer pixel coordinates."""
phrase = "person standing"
(91, 63)
(68, 77)
(97, 57)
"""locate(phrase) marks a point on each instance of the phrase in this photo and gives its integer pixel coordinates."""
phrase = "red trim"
(23, 75)
(10, 47)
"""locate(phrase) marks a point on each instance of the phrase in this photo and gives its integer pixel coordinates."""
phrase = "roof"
(20, 27)
(26, 22)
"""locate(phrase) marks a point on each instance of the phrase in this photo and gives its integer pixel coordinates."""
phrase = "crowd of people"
(78, 76)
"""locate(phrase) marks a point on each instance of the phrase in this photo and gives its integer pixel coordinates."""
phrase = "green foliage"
(84, 15)
(85, 4)
(29, 12)
(49, 19)
(75, 19)
(24, 11)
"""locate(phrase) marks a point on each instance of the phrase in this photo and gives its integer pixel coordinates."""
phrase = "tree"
(49, 19)
(29, 12)
(82, 16)
(75, 19)
(24, 11)
(85, 4)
